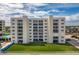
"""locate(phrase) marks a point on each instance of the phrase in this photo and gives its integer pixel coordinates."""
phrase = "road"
(74, 42)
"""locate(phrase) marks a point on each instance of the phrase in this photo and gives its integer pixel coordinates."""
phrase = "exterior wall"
(2, 28)
(60, 34)
(50, 29)
(25, 30)
(32, 22)
(14, 24)
(47, 28)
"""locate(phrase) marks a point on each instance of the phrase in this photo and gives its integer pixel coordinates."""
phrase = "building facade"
(26, 30)
(2, 28)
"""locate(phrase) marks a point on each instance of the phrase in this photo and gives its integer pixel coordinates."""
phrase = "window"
(35, 36)
(20, 27)
(13, 20)
(0, 34)
(55, 31)
(29, 23)
(35, 29)
(0, 29)
(35, 33)
(62, 20)
(20, 41)
(40, 24)
(40, 33)
(29, 33)
(20, 37)
(19, 30)
(30, 30)
(35, 24)
(35, 40)
(62, 30)
(41, 30)
(45, 20)
(30, 20)
(45, 36)
(19, 33)
(62, 37)
(20, 24)
(29, 26)
(13, 23)
(40, 36)
(55, 23)
(45, 33)
(13, 30)
(30, 36)
(30, 39)
(40, 27)
(45, 39)
(55, 26)
(40, 20)
(45, 23)
(62, 40)
(13, 36)
(45, 26)
(55, 39)
(62, 23)
(40, 39)
(13, 27)
(20, 20)
(35, 21)
(62, 26)
(45, 30)
(55, 20)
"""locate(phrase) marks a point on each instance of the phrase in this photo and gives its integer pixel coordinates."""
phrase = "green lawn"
(42, 47)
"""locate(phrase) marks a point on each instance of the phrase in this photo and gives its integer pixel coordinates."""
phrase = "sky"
(69, 10)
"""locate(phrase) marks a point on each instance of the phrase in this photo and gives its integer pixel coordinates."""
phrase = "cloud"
(40, 13)
(54, 10)
(40, 10)
(72, 19)
(13, 5)
(38, 4)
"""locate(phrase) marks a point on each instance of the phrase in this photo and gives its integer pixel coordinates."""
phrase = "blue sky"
(70, 11)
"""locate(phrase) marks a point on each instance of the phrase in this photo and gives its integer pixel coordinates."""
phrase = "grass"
(42, 47)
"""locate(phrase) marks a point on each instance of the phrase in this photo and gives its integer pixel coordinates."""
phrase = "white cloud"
(40, 13)
(55, 10)
(72, 17)
(13, 5)
(38, 4)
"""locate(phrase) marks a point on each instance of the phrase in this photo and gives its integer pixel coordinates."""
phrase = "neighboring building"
(72, 30)
(2, 28)
(26, 30)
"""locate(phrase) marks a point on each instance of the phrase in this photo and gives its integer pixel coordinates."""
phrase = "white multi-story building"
(2, 28)
(26, 30)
